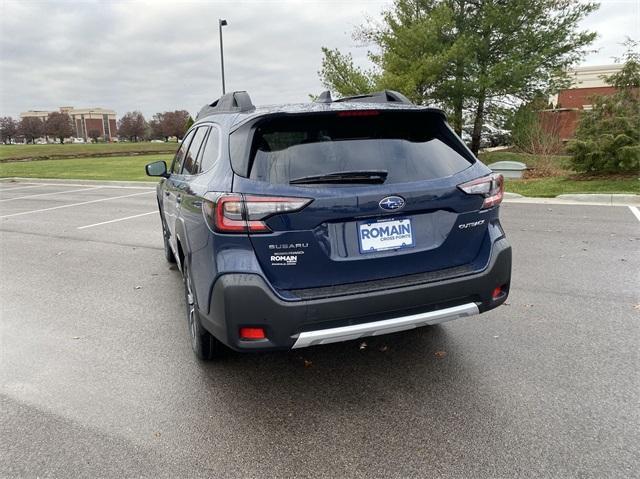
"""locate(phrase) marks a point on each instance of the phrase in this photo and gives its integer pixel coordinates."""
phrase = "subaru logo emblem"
(391, 203)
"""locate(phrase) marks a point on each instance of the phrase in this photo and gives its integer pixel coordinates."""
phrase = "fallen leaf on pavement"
(307, 363)
(440, 354)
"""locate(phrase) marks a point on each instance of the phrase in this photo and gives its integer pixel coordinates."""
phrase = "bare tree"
(132, 125)
(59, 125)
(31, 128)
(156, 125)
(179, 123)
(538, 131)
(8, 129)
(170, 123)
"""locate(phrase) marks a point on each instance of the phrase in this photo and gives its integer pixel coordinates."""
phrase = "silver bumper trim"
(346, 333)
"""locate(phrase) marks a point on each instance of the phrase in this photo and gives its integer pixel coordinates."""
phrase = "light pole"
(222, 23)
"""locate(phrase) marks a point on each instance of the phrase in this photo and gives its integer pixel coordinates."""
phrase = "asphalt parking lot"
(98, 378)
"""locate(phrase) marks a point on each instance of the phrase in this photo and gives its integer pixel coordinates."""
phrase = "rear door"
(192, 186)
(385, 201)
(172, 186)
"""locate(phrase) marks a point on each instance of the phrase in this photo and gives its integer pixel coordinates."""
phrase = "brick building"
(86, 121)
(587, 82)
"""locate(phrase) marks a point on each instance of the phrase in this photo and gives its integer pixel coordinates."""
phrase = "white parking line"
(54, 193)
(116, 220)
(23, 187)
(73, 204)
(635, 211)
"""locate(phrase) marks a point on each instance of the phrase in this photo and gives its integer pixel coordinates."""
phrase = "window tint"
(408, 146)
(211, 150)
(176, 166)
(190, 165)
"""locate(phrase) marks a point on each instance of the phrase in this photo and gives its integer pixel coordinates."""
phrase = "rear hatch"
(381, 190)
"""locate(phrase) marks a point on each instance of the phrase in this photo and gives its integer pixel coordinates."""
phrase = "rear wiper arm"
(374, 177)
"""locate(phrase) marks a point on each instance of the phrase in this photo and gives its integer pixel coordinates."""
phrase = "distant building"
(587, 82)
(85, 121)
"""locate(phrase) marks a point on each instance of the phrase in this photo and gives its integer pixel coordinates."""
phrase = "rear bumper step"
(347, 333)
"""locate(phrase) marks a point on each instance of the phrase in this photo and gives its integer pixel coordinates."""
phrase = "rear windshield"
(407, 146)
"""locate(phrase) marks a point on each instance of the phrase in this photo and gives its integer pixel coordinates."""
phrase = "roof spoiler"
(237, 101)
(384, 96)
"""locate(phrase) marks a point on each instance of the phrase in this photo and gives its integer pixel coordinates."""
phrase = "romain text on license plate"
(385, 235)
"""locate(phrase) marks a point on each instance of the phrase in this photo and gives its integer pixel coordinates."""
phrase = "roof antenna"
(325, 97)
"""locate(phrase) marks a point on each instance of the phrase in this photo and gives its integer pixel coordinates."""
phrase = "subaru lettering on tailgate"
(385, 235)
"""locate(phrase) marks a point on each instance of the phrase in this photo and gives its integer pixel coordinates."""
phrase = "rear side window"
(211, 150)
(178, 160)
(408, 146)
(190, 163)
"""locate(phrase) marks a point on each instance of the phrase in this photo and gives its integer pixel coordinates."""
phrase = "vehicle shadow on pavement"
(411, 394)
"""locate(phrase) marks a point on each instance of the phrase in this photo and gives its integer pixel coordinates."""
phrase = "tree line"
(132, 126)
(57, 125)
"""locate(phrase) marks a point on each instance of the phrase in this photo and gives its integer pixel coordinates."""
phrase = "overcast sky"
(164, 55)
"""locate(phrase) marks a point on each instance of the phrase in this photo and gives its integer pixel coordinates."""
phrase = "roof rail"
(237, 101)
(384, 96)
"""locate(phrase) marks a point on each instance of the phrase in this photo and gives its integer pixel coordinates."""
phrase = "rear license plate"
(385, 235)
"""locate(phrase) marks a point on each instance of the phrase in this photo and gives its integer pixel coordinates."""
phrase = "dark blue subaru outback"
(297, 225)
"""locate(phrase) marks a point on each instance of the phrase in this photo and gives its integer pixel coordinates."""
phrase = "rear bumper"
(384, 326)
(245, 300)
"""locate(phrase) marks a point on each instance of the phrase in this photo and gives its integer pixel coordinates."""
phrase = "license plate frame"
(369, 243)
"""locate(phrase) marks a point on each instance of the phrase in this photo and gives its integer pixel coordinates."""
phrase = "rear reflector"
(498, 292)
(252, 333)
(491, 187)
(235, 213)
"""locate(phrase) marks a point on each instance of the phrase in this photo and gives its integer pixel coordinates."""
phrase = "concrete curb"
(596, 199)
(147, 184)
(556, 201)
(612, 199)
(512, 196)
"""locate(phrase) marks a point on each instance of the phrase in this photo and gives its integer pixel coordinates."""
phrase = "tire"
(168, 254)
(204, 345)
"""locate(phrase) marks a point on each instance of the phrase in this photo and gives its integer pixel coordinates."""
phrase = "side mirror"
(157, 168)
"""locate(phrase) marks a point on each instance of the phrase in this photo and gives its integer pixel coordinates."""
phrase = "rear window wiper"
(374, 177)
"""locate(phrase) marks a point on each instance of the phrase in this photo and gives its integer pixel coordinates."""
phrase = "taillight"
(235, 213)
(491, 187)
